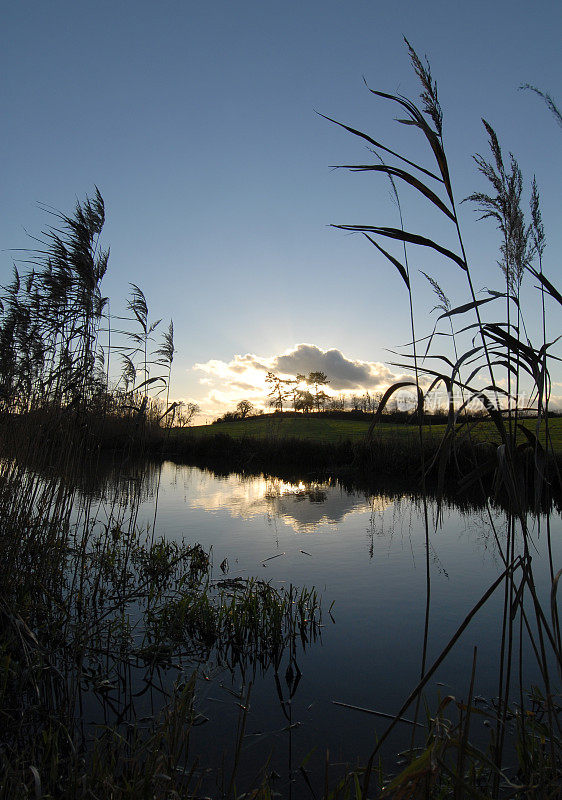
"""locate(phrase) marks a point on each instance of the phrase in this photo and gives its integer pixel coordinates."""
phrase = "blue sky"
(197, 122)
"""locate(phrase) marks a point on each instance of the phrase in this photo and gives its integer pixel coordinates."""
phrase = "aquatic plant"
(56, 332)
(502, 349)
(97, 612)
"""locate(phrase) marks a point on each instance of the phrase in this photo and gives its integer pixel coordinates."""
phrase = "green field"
(323, 429)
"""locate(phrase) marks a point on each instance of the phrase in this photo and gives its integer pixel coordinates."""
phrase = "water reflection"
(374, 575)
(303, 506)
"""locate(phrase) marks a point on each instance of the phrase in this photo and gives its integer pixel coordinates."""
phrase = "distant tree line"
(306, 394)
(288, 395)
(311, 398)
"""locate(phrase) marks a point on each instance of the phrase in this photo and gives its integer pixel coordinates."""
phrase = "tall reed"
(501, 348)
(97, 614)
(57, 339)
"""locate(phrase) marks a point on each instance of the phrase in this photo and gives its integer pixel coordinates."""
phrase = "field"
(334, 431)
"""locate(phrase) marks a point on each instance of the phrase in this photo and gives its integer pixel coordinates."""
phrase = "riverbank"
(305, 448)
(124, 571)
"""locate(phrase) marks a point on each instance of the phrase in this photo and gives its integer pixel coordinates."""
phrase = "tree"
(304, 401)
(276, 395)
(318, 379)
(298, 380)
(244, 409)
(336, 403)
(186, 413)
(320, 400)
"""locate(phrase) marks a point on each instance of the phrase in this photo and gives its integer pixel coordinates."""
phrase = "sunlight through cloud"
(243, 377)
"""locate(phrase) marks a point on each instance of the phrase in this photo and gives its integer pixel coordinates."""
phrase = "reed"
(97, 610)
(58, 337)
(92, 605)
(505, 350)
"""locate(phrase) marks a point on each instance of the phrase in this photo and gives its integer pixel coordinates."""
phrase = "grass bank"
(299, 447)
(320, 428)
(291, 446)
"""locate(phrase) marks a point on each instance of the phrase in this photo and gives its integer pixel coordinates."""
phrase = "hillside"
(333, 431)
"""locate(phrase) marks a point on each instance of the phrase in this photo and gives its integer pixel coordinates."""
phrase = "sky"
(199, 124)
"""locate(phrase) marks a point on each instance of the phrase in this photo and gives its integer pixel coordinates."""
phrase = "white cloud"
(343, 373)
(243, 377)
(225, 383)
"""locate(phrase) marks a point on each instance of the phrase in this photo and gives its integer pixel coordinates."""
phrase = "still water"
(367, 557)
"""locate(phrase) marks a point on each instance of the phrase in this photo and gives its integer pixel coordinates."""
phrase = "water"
(368, 559)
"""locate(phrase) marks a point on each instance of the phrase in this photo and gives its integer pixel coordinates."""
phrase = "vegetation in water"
(526, 762)
(91, 605)
(96, 612)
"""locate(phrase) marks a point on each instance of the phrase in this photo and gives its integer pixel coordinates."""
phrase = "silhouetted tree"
(318, 379)
(304, 401)
(298, 381)
(244, 409)
(336, 403)
(186, 413)
(277, 395)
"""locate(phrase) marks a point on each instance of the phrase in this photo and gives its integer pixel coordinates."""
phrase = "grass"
(87, 600)
(321, 429)
(336, 431)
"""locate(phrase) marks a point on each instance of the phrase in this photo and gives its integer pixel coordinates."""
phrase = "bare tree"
(336, 403)
(318, 379)
(277, 395)
(186, 413)
(244, 409)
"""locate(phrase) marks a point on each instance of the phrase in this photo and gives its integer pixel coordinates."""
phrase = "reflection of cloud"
(302, 506)
(244, 376)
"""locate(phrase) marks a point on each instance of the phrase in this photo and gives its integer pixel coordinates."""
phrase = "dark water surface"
(366, 556)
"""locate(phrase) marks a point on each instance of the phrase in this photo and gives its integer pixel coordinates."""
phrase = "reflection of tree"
(312, 493)
(317, 496)
(305, 506)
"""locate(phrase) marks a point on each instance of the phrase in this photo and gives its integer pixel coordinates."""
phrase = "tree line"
(305, 394)
(313, 397)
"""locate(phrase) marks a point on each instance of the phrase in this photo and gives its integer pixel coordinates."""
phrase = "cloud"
(343, 373)
(244, 386)
(243, 377)
(224, 383)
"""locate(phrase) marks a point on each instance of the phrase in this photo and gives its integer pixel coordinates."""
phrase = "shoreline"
(393, 459)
